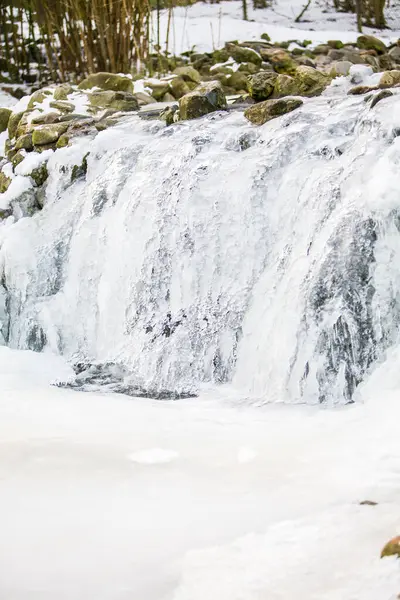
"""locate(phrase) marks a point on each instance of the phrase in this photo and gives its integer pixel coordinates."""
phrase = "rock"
(266, 37)
(79, 170)
(368, 503)
(107, 82)
(24, 125)
(389, 79)
(369, 42)
(62, 106)
(18, 158)
(380, 96)
(4, 182)
(170, 115)
(340, 68)
(249, 68)
(392, 548)
(188, 74)
(281, 61)
(40, 174)
(385, 63)
(62, 141)
(168, 97)
(178, 87)
(143, 98)
(158, 88)
(220, 56)
(116, 100)
(24, 142)
(62, 91)
(285, 86)
(13, 123)
(270, 109)
(243, 55)
(38, 98)
(362, 89)
(336, 44)
(48, 134)
(394, 54)
(44, 147)
(310, 82)
(46, 118)
(261, 85)
(322, 49)
(4, 118)
(238, 81)
(206, 98)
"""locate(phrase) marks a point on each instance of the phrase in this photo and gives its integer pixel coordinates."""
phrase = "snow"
(6, 100)
(206, 26)
(115, 498)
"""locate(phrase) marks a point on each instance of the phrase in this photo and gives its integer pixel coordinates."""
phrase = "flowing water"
(214, 252)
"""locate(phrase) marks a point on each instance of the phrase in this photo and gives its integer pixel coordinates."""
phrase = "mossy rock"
(221, 69)
(380, 96)
(310, 81)
(62, 141)
(270, 109)
(13, 123)
(358, 90)
(62, 91)
(335, 44)
(121, 101)
(238, 81)
(62, 106)
(285, 86)
(392, 548)
(220, 56)
(40, 175)
(389, 79)
(321, 49)
(24, 142)
(168, 97)
(158, 89)
(46, 119)
(18, 157)
(266, 37)
(24, 125)
(4, 118)
(38, 98)
(79, 171)
(369, 42)
(206, 98)
(170, 115)
(261, 85)
(48, 134)
(107, 82)
(282, 62)
(188, 74)
(249, 68)
(179, 87)
(241, 54)
(4, 182)
(144, 98)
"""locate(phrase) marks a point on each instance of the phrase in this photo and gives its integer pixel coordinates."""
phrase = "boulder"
(168, 97)
(249, 68)
(310, 82)
(24, 142)
(206, 98)
(380, 96)
(270, 109)
(238, 81)
(243, 55)
(62, 91)
(62, 106)
(40, 174)
(369, 42)
(285, 86)
(389, 79)
(220, 56)
(107, 82)
(62, 141)
(280, 60)
(158, 88)
(4, 118)
(144, 98)
(18, 157)
(385, 63)
(188, 74)
(23, 126)
(4, 182)
(48, 134)
(340, 68)
(46, 118)
(392, 548)
(261, 85)
(394, 54)
(362, 89)
(13, 122)
(116, 100)
(170, 115)
(179, 87)
(38, 98)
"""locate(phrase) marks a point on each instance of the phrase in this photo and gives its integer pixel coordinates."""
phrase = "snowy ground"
(206, 26)
(116, 498)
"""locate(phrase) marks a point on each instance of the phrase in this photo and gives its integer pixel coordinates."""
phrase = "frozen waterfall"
(212, 252)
